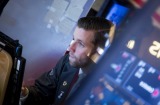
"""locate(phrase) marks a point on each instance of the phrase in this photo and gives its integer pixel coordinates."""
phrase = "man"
(55, 86)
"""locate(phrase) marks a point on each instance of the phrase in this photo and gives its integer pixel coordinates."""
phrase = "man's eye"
(81, 44)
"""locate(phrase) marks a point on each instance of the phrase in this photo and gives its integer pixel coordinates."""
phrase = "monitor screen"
(117, 13)
(128, 73)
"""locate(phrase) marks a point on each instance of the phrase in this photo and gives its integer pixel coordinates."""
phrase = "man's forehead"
(83, 35)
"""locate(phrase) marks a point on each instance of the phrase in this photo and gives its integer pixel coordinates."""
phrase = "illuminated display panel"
(117, 13)
(119, 68)
(145, 79)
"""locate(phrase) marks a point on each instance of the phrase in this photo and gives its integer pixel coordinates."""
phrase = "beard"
(79, 62)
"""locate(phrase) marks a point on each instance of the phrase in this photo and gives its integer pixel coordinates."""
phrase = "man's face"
(81, 48)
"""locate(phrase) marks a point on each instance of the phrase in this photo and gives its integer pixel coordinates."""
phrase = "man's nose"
(72, 46)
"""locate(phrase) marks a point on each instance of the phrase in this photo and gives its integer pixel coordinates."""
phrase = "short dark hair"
(99, 25)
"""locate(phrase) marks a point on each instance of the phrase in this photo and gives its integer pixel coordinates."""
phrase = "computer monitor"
(128, 73)
(10, 85)
(117, 13)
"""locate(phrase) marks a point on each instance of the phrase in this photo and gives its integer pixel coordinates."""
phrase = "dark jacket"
(52, 87)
